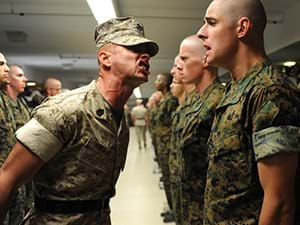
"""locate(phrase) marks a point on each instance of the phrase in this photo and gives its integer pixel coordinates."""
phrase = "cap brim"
(151, 46)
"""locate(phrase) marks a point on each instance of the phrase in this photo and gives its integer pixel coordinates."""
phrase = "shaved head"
(195, 45)
(252, 9)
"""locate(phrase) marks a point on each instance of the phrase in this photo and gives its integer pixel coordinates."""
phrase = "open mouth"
(207, 47)
(144, 67)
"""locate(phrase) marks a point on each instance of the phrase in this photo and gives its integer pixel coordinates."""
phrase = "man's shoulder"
(70, 101)
(271, 75)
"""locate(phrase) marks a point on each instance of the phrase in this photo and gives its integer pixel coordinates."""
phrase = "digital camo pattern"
(14, 114)
(166, 107)
(175, 153)
(7, 127)
(91, 218)
(123, 27)
(194, 152)
(123, 31)
(89, 163)
(152, 128)
(261, 99)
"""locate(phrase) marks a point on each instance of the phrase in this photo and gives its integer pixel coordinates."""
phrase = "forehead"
(16, 70)
(190, 48)
(2, 58)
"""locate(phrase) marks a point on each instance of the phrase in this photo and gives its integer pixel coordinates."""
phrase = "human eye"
(211, 21)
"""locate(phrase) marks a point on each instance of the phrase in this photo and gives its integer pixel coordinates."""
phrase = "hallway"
(138, 200)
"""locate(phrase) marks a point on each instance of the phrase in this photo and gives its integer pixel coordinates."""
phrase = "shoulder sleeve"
(275, 121)
(48, 130)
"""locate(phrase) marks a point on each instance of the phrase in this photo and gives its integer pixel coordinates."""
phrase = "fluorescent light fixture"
(31, 84)
(137, 92)
(289, 63)
(102, 10)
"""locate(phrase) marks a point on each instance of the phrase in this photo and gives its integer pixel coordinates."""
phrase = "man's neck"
(206, 80)
(164, 92)
(189, 88)
(244, 61)
(114, 92)
(10, 92)
(181, 98)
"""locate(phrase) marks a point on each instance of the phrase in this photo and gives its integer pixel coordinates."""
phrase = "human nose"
(202, 32)
(7, 68)
(178, 66)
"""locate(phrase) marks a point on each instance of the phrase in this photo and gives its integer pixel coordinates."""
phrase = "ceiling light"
(102, 10)
(31, 84)
(137, 92)
(289, 63)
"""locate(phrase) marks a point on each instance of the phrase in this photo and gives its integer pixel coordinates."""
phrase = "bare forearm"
(5, 196)
(277, 212)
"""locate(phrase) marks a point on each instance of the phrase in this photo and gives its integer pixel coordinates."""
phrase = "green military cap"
(125, 31)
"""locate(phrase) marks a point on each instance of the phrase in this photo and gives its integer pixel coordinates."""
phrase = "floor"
(139, 200)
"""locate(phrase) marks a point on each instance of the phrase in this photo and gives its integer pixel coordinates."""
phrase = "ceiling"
(55, 37)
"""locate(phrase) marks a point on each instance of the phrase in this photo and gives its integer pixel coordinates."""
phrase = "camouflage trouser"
(92, 218)
(192, 206)
(176, 201)
(154, 145)
(16, 210)
(164, 165)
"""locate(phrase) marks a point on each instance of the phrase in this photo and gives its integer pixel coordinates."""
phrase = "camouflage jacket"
(194, 136)
(258, 117)
(152, 117)
(164, 119)
(13, 114)
(83, 147)
(177, 127)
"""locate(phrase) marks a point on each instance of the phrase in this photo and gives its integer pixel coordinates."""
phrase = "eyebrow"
(209, 19)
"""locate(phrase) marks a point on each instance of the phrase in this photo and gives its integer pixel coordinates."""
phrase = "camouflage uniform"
(175, 156)
(15, 114)
(7, 127)
(166, 107)
(152, 127)
(258, 117)
(84, 148)
(193, 149)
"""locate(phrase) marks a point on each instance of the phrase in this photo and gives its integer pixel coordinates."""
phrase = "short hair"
(253, 9)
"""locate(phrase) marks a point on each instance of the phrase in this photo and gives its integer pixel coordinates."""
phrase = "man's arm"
(277, 178)
(20, 166)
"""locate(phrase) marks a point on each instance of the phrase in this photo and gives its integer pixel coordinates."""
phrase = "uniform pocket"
(229, 145)
(96, 155)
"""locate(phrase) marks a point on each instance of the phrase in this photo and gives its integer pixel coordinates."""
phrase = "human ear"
(243, 28)
(104, 58)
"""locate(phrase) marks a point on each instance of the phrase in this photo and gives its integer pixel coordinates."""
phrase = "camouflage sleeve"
(275, 121)
(47, 131)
